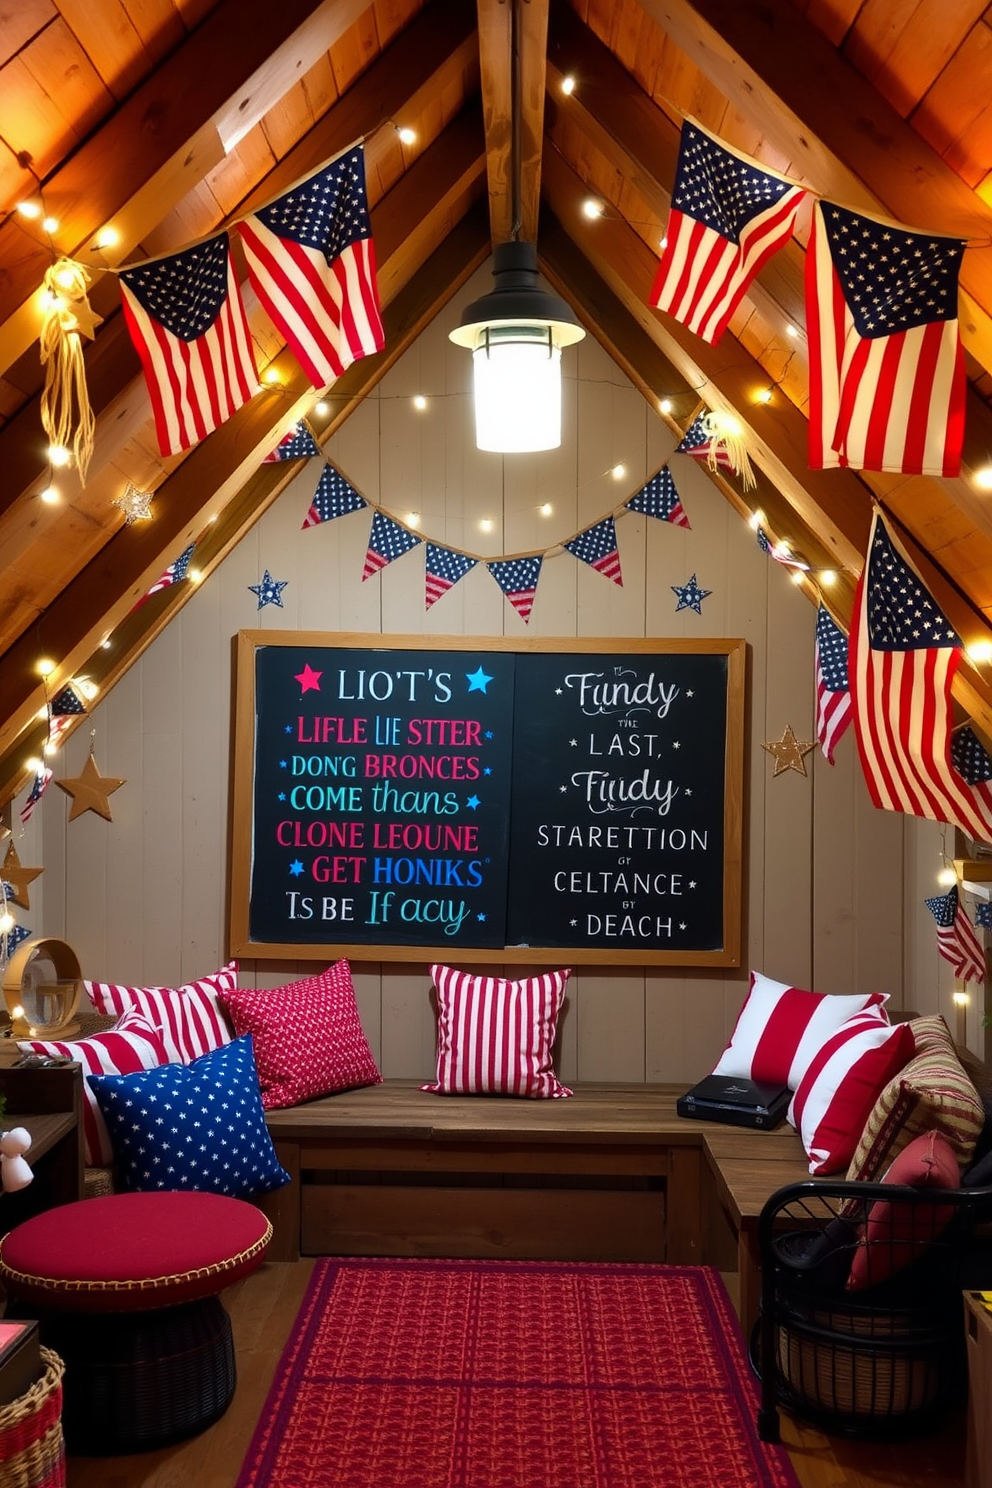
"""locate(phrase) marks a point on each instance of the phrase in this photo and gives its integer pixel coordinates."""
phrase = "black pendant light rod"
(516, 101)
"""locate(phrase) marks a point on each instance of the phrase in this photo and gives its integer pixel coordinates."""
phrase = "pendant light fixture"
(516, 332)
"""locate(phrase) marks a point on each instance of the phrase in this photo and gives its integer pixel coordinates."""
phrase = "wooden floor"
(262, 1309)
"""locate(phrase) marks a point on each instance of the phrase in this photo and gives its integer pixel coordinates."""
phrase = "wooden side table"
(48, 1104)
(978, 1333)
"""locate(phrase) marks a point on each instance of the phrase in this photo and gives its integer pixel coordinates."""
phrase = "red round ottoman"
(126, 1288)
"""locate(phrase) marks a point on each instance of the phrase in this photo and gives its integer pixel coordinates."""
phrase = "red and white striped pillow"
(496, 1037)
(780, 1028)
(838, 1092)
(117, 1052)
(190, 1018)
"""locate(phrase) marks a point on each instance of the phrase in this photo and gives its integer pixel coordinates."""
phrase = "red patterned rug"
(512, 1374)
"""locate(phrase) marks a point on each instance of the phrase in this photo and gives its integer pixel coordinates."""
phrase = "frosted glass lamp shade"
(517, 380)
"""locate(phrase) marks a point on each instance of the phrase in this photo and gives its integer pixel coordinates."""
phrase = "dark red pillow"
(896, 1231)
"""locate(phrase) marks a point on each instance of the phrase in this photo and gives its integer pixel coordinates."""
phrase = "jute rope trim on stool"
(147, 1284)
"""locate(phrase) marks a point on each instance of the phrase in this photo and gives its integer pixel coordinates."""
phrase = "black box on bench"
(736, 1101)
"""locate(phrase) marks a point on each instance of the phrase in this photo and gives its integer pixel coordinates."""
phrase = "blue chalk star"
(477, 681)
(474, 802)
(269, 591)
(690, 596)
(296, 868)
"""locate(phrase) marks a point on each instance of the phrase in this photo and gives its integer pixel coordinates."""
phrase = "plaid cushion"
(189, 1018)
(931, 1093)
(119, 1052)
(496, 1037)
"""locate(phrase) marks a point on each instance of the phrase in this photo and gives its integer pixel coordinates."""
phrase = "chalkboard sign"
(473, 800)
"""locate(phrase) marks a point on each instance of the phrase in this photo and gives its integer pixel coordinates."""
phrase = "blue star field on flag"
(832, 646)
(690, 596)
(893, 280)
(298, 444)
(444, 568)
(387, 541)
(720, 189)
(269, 591)
(15, 935)
(983, 916)
(334, 497)
(66, 704)
(597, 546)
(659, 498)
(517, 577)
(186, 291)
(944, 908)
(969, 756)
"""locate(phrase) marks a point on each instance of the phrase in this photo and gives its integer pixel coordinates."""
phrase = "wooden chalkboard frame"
(241, 942)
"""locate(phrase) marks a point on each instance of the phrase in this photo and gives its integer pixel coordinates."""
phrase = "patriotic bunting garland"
(387, 541)
(298, 444)
(334, 497)
(517, 577)
(659, 498)
(444, 568)
(597, 546)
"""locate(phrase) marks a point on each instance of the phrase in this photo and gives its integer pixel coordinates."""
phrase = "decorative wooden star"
(18, 878)
(89, 791)
(789, 751)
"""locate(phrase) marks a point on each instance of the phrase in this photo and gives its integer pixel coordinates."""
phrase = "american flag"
(67, 704)
(444, 568)
(728, 216)
(517, 577)
(597, 546)
(38, 787)
(334, 497)
(174, 574)
(887, 377)
(702, 444)
(833, 697)
(186, 319)
(387, 541)
(971, 760)
(298, 444)
(312, 261)
(956, 938)
(659, 498)
(903, 657)
(779, 551)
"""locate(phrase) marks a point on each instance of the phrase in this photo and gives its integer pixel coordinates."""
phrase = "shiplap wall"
(833, 889)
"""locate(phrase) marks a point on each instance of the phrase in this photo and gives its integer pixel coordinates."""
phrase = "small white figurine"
(14, 1171)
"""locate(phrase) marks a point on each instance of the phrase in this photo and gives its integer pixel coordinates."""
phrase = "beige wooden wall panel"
(142, 898)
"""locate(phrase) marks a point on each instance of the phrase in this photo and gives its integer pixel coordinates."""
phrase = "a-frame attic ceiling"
(171, 118)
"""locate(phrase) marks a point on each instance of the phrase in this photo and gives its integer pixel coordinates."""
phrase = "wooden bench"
(613, 1173)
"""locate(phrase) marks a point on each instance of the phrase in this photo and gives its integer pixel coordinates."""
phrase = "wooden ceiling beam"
(161, 141)
(440, 277)
(498, 20)
(74, 623)
(839, 133)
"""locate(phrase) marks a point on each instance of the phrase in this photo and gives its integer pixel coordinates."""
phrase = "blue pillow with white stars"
(197, 1126)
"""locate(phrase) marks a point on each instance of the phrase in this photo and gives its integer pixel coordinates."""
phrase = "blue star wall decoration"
(690, 596)
(269, 591)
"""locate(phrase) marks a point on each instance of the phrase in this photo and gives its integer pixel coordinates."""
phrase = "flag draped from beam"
(597, 546)
(298, 444)
(517, 577)
(887, 377)
(833, 697)
(659, 498)
(311, 260)
(185, 317)
(443, 569)
(387, 541)
(728, 216)
(956, 938)
(334, 497)
(903, 657)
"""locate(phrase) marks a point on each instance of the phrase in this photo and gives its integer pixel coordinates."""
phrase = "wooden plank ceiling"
(168, 120)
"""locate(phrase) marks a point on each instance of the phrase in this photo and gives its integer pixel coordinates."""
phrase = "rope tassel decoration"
(728, 446)
(66, 415)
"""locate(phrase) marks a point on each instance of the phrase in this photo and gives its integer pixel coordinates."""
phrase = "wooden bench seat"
(613, 1173)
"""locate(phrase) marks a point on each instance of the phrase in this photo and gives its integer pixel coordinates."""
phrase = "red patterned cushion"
(496, 1037)
(131, 1252)
(780, 1028)
(895, 1231)
(308, 1037)
(119, 1052)
(841, 1085)
(189, 1018)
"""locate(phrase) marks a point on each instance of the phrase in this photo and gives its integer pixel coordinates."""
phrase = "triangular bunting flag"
(334, 497)
(517, 577)
(34, 795)
(779, 552)
(174, 574)
(444, 569)
(298, 444)
(659, 498)
(387, 541)
(66, 704)
(597, 546)
(13, 937)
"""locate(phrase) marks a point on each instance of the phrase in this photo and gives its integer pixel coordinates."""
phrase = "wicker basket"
(32, 1452)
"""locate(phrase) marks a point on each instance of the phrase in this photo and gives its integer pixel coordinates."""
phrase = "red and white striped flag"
(903, 657)
(311, 259)
(833, 696)
(728, 216)
(887, 377)
(187, 322)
